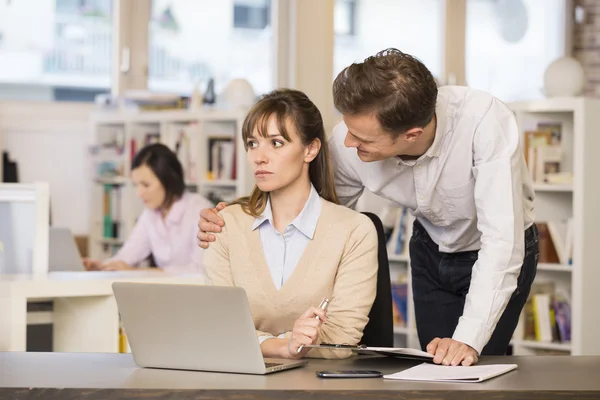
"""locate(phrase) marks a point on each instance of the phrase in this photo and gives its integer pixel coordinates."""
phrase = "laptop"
(193, 327)
(63, 254)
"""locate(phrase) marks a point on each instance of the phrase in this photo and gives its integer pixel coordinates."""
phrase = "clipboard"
(394, 352)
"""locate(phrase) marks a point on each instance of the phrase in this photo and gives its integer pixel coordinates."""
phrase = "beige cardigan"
(340, 262)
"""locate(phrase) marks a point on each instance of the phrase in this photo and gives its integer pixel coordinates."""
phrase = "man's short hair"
(396, 86)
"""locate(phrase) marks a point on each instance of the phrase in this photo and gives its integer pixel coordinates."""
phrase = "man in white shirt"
(453, 156)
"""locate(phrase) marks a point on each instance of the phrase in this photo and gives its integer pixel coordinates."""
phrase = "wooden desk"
(109, 376)
(85, 314)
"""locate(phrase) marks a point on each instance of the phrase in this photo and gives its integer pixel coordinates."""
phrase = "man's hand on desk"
(448, 351)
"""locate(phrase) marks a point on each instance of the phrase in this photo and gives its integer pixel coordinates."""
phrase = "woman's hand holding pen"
(306, 331)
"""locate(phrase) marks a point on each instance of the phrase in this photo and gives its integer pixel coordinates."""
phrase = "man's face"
(372, 143)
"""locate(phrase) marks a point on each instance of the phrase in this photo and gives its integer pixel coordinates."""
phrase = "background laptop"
(193, 327)
(62, 251)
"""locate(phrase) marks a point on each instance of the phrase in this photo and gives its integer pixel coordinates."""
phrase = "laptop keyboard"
(271, 364)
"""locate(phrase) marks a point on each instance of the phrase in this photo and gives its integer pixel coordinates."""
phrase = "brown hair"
(288, 105)
(396, 86)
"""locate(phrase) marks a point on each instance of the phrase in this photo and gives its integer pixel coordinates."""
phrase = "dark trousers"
(440, 282)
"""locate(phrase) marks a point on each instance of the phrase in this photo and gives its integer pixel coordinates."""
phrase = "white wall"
(50, 143)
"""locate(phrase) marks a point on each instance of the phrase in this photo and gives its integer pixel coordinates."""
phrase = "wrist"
(285, 351)
(275, 348)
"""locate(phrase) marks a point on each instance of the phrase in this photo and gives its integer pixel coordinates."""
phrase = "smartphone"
(349, 374)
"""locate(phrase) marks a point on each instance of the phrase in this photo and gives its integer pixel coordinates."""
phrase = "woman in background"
(168, 225)
(289, 244)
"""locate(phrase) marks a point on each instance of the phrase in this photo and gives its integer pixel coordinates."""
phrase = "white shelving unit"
(165, 126)
(580, 121)
(1, 152)
(404, 336)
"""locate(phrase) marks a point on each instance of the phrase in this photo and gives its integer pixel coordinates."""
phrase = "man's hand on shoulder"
(210, 221)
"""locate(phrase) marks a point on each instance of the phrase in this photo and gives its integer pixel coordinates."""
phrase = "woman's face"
(147, 187)
(276, 162)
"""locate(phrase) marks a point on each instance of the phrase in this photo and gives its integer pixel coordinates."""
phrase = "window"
(192, 41)
(365, 27)
(55, 49)
(345, 17)
(251, 14)
(510, 43)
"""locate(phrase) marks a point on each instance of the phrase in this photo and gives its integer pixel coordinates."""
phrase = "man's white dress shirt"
(470, 191)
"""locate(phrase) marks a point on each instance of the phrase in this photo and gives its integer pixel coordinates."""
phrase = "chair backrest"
(379, 331)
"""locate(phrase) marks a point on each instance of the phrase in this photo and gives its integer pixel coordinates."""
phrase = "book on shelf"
(221, 159)
(141, 140)
(546, 316)
(543, 153)
(183, 142)
(554, 128)
(561, 235)
(111, 212)
(547, 161)
(401, 229)
(556, 241)
(400, 303)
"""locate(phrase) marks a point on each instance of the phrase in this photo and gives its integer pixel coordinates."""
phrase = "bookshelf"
(575, 199)
(405, 335)
(405, 330)
(573, 270)
(398, 226)
(1, 157)
(207, 142)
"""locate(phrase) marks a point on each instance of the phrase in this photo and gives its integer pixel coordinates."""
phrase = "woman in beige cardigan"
(290, 244)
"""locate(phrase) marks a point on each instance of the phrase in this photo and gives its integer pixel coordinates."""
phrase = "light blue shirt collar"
(305, 222)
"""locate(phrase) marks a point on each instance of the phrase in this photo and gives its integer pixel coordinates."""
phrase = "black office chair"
(379, 331)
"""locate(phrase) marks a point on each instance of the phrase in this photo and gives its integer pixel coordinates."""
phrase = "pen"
(322, 306)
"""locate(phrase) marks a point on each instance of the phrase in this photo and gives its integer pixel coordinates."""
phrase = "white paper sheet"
(442, 373)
